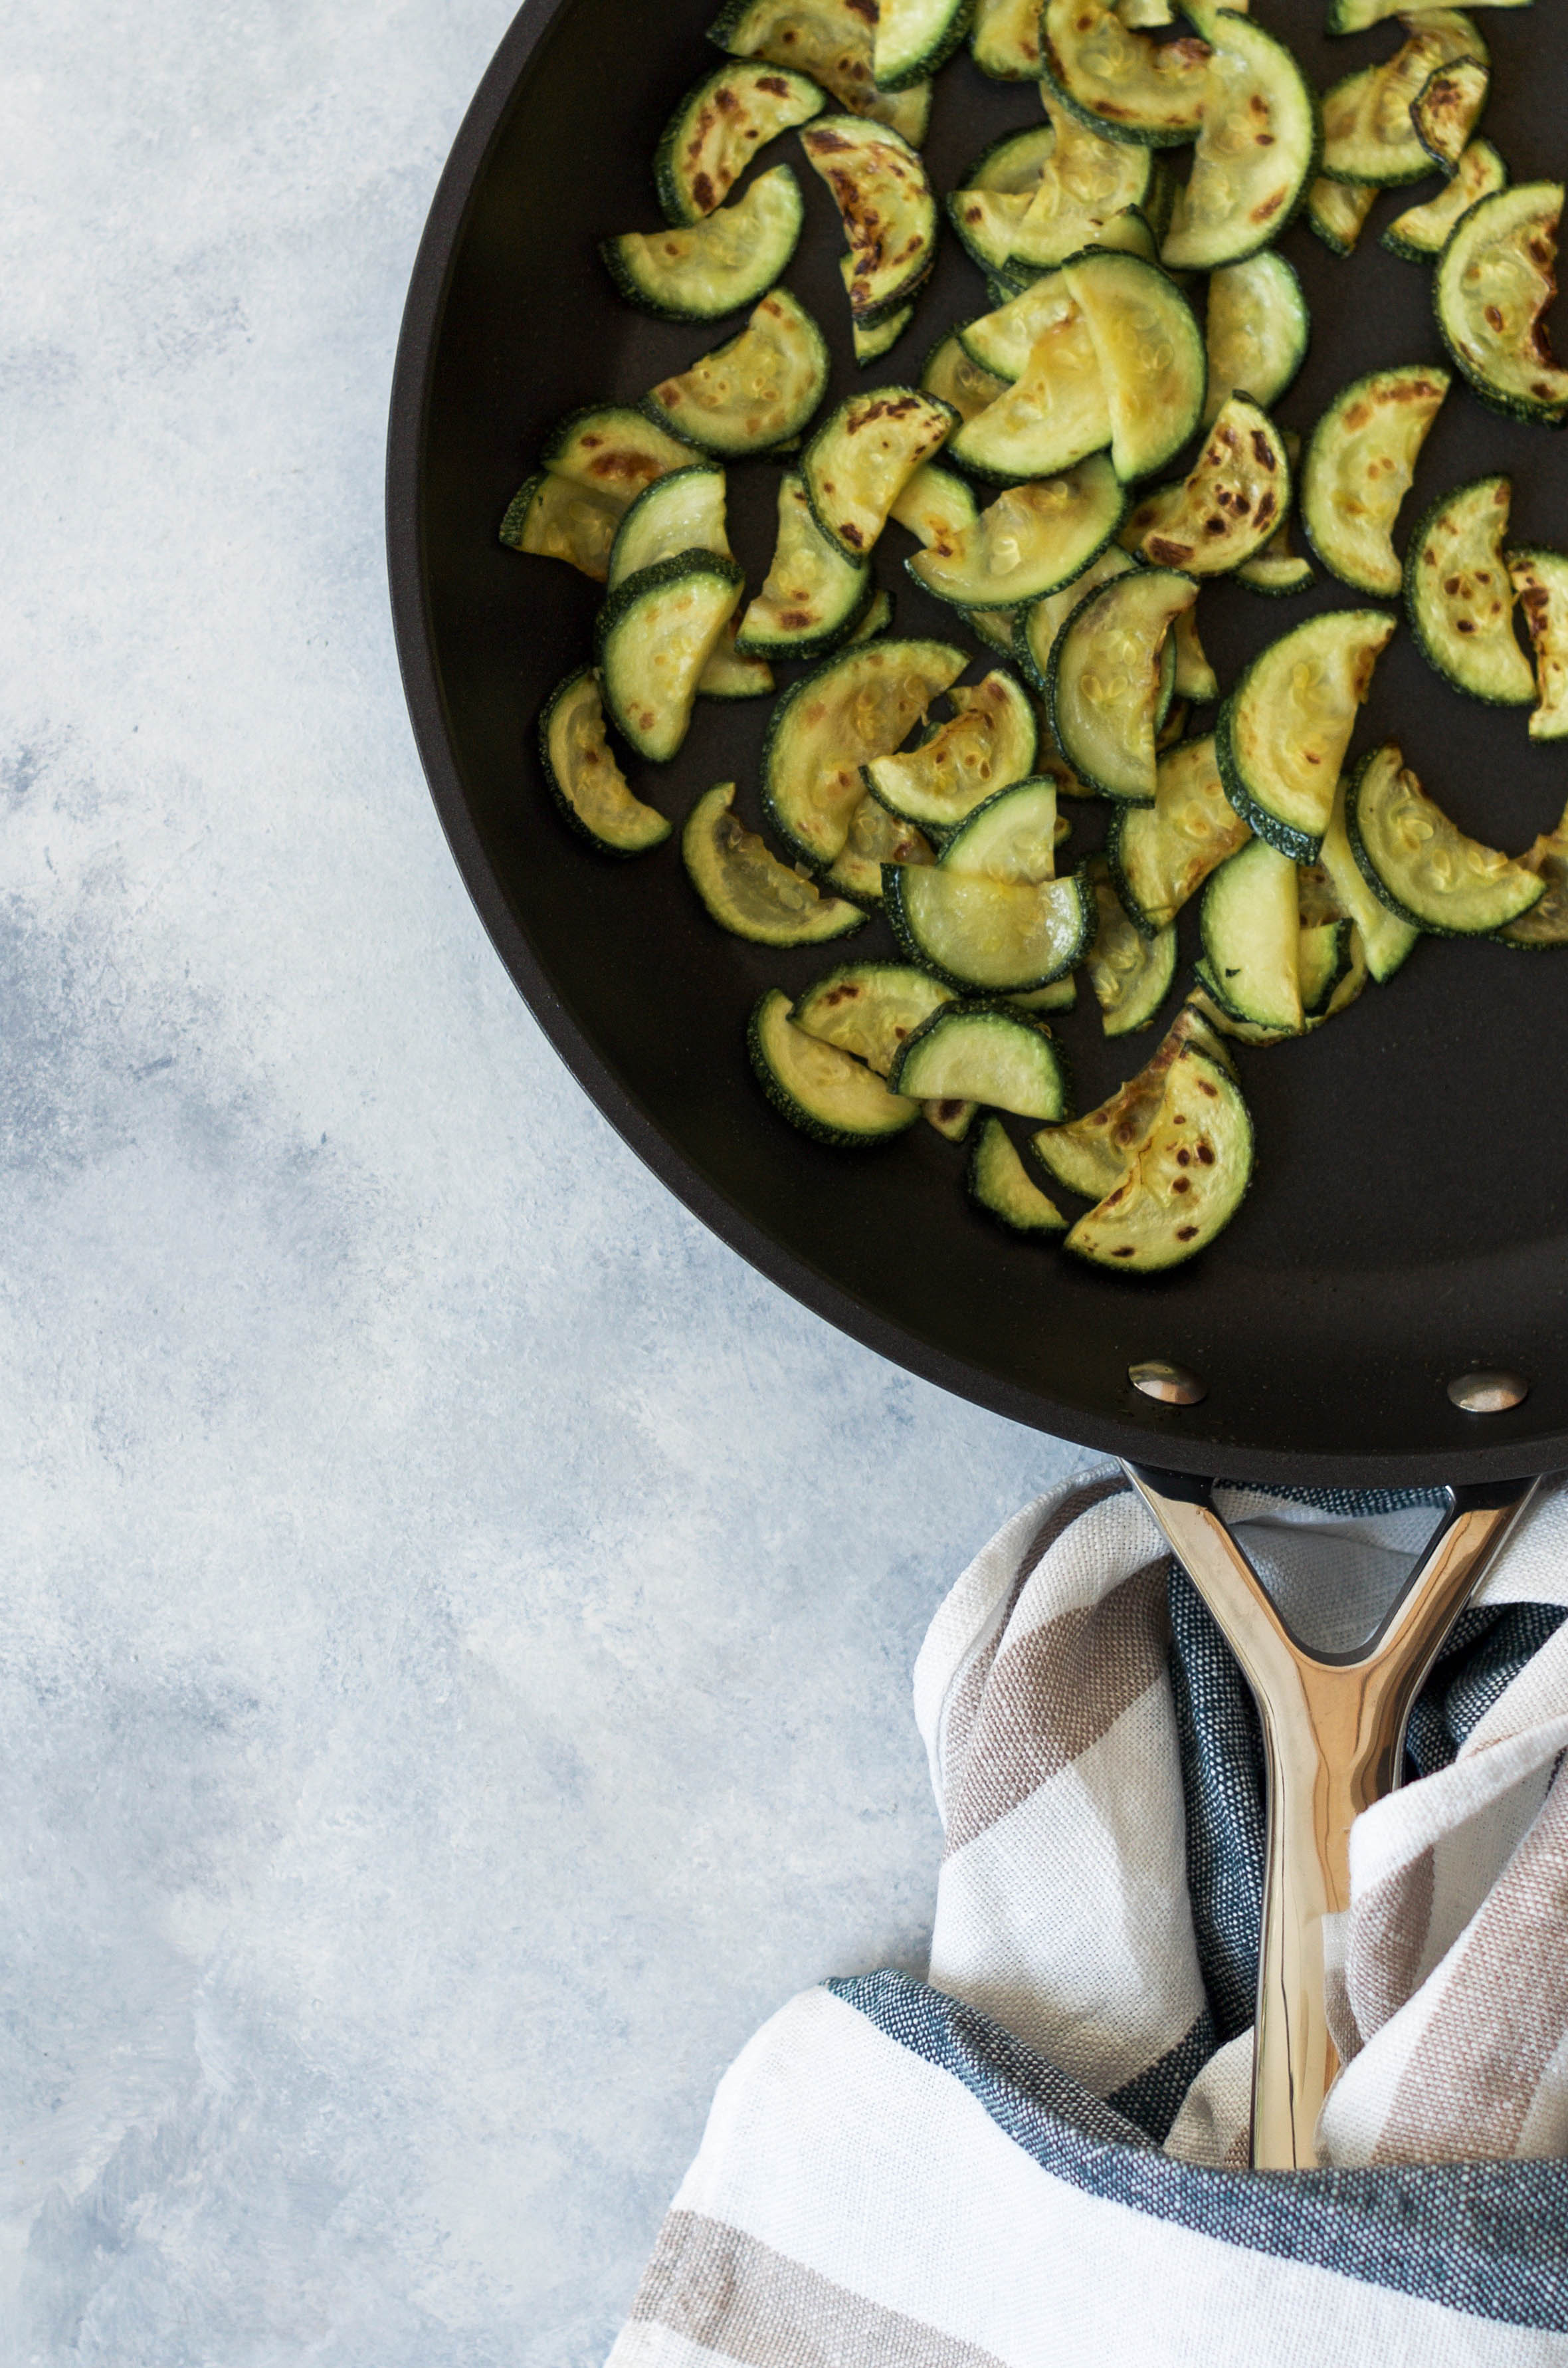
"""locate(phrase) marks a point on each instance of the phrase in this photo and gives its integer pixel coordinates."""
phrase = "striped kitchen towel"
(1038, 2156)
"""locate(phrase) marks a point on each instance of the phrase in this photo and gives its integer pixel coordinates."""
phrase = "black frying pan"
(1407, 1220)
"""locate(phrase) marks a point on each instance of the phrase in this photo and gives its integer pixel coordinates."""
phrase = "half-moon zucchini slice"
(1130, 973)
(869, 1009)
(1055, 415)
(1001, 342)
(654, 636)
(1446, 109)
(812, 593)
(871, 344)
(1107, 676)
(830, 40)
(683, 511)
(990, 935)
(984, 1053)
(936, 506)
(1186, 1182)
(1424, 231)
(1238, 492)
(1256, 331)
(884, 200)
(554, 517)
(699, 271)
(1085, 183)
(1161, 855)
(1003, 1186)
(1151, 356)
(1358, 468)
(1420, 864)
(876, 838)
(1386, 939)
(1355, 16)
(954, 380)
(914, 38)
(746, 889)
(1282, 733)
(1256, 156)
(1367, 132)
(614, 450)
(1494, 282)
(1033, 540)
(1119, 81)
(1034, 628)
(729, 674)
(1540, 584)
(862, 457)
(1459, 595)
(827, 1094)
(583, 777)
(757, 390)
(1013, 836)
(1092, 1155)
(1013, 164)
(1338, 211)
(1251, 928)
(861, 704)
(720, 127)
(988, 744)
(1004, 39)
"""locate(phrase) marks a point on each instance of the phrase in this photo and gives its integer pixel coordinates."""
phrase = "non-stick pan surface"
(1407, 1220)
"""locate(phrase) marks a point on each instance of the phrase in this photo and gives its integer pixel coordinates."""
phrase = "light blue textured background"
(456, 1621)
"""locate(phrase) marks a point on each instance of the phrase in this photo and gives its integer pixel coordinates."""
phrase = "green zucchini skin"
(914, 950)
(915, 58)
(783, 99)
(620, 612)
(1297, 839)
(1409, 236)
(1116, 591)
(1180, 122)
(633, 829)
(1003, 1057)
(648, 271)
(1267, 288)
(747, 890)
(730, 430)
(1421, 389)
(1295, 120)
(1444, 660)
(1001, 1185)
(848, 1113)
(1488, 218)
(1438, 916)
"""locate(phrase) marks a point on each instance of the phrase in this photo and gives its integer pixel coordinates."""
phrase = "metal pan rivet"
(1489, 1393)
(1172, 1384)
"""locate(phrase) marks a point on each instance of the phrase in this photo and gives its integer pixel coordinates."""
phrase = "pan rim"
(1147, 1433)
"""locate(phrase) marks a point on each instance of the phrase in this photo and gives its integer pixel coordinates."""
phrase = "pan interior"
(1411, 1199)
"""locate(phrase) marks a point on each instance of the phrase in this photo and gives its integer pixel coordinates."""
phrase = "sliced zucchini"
(1231, 504)
(729, 674)
(1546, 923)
(1014, 164)
(1323, 960)
(1130, 974)
(1355, 16)
(1092, 1155)
(554, 517)
(1540, 584)
(1105, 678)
(1494, 282)
(1062, 995)
(585, 779)
(878, 619)
(1255, 331)
(719, 126)
(862, 457)
(1196, 680)
(698, 271)
(1173, 731)
(747, 890)
(936, 507)
(1359, 469)
(613, 451)
(914, 38)
(1282, 733)
(1460, 597)
(876, 838)
(954, 380)
(812, 593)
(831, 41)
(1033, 540)
(826, 1093)
(984, 1053)
(994, 627)
(757, 390)
(1055, 415)
(1035, 627)
(1446, 109)
(1277, 572)
(1086, 183)
(1424, 231)
(1001, 342)
(1161, 855)
(952, 1120)
(1250, 931)
(1151, 356)
(884, 200)
(985, 221)
(1338, 211)
(1256, 156)
(1120, 81)
(1368, 132)
(1385, 940)
(1004, 39)
(654, 636)
(999, 1181)
(859, 705)
(871, 344)
(1186, 1180)
(1012, 837)
(683, 511)
(870, 1009)
(1420, 864)
(989, 744)
(990, 934)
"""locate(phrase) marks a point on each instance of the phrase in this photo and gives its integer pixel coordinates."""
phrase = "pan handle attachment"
(1334, 1742)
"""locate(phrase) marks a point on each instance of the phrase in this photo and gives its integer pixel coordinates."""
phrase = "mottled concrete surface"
(456, 1618)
